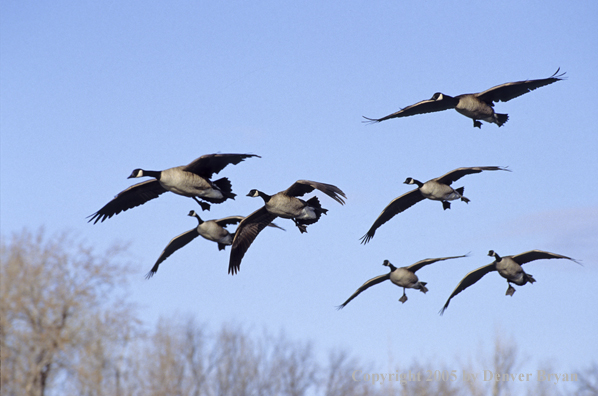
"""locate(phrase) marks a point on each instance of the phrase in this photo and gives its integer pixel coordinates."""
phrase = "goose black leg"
(204, 205)
(404, 297)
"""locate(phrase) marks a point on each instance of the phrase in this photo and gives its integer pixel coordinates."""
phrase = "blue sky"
(90, 91)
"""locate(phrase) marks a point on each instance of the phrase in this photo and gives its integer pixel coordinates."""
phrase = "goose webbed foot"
(530, 278)
(510, 291)
(403, 298)
(302, 227)
(446, 205)
(477, 124)
(204, 205)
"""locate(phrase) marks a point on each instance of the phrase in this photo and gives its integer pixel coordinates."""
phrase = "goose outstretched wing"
(469, 279)
(366, 285)
(248, 230)
(207, 165)
(136, 195)
(395, 207)
(175, 244)
(301, 187)
(421, 263)
(511, 90)
(458, 173)
(425, 106)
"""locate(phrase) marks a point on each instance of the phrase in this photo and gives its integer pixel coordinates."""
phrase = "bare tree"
(504, 360)
(588, 381)
(166, 370)
(52, 295)
(65, 329)
(337, 380)
(187, 360)
(546, 388)
(173, 359)
(293, 364)
(235, 363)
(195, 356)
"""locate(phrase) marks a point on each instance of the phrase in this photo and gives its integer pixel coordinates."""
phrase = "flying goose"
(403, 277)
(477, 106)
(437, 189)
(212, 230)
(191, 180)
(509, 267)
(284, 204)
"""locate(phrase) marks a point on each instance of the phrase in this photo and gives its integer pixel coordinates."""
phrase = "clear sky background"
(92, 90)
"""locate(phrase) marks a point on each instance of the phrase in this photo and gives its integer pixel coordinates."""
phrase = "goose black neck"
(264, 196)
(151, 173)
(389, 265)
(419, 184)
(194, 214)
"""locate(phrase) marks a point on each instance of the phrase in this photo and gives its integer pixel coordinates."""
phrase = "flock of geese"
(194, 181)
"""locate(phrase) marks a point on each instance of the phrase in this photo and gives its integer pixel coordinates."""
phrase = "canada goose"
(403, 277)
(509, 267)
(437, 189)
(283, 204)
(192, 180)
(212, 230)
(477, 106)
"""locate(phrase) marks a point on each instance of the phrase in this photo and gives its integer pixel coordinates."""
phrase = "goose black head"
(253, 193)
(136, 173)
(388, 264)
(437, 96)
(193, 213)
(495, 255)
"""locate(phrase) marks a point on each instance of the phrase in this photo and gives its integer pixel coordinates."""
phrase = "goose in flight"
(477, 106)
(191, 180)
(437, 189)
(403, 277)
(212, 230)
(284, 204)
(509, 267)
